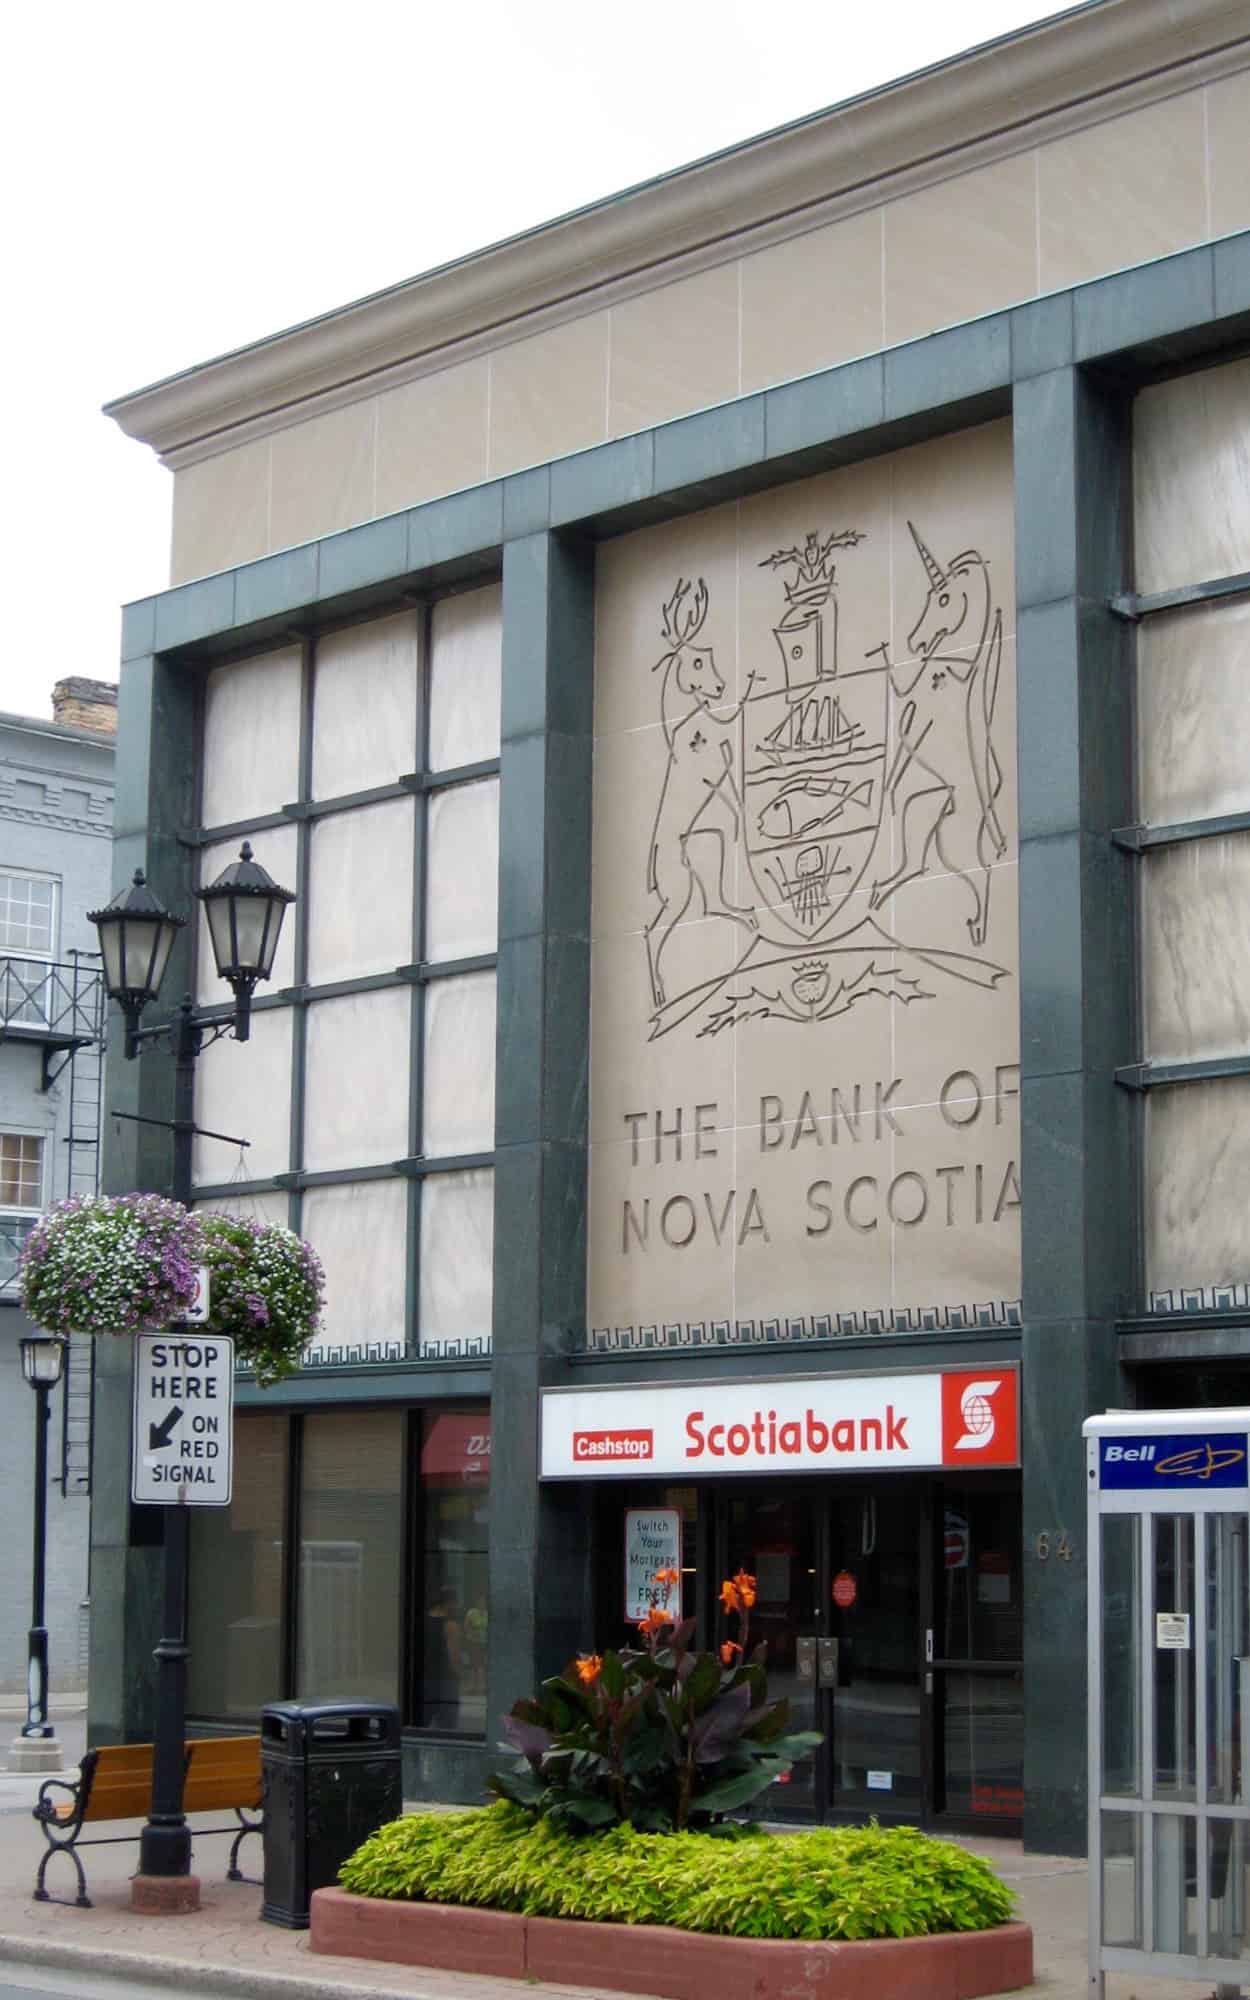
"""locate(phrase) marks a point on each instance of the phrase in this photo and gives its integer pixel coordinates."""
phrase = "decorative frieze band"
(793, 1331)
(1202, 1298)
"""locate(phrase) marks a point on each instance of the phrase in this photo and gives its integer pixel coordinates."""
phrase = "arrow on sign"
(159, 1434)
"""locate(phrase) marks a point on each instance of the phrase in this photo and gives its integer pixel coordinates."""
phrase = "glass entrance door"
(876, 1577)
(775, 1537)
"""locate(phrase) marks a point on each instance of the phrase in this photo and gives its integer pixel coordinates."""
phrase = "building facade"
(56, 823)
(743, 682)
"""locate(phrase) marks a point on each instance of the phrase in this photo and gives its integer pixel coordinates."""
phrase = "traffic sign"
(196, 1312)
(181, 1450)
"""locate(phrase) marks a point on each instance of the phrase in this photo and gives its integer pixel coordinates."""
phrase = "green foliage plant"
(833, 1882)
(659, 1737)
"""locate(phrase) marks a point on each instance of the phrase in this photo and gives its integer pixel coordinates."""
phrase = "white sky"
(180, 180)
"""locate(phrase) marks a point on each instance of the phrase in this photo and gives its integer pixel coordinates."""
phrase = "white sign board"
(183, 1420)
(196, 1313)
(799, 1423)
(652, 1542)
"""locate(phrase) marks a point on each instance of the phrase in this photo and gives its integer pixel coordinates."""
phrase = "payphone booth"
(1169, 1695)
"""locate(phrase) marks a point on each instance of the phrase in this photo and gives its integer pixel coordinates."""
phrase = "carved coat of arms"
(798, 813)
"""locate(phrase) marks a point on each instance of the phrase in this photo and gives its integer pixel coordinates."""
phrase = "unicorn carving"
(700, 794)
(944, 779)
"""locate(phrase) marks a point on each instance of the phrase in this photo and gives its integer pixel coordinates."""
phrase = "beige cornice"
(1068, 71)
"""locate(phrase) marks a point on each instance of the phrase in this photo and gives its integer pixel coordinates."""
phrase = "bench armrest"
(45, 1807)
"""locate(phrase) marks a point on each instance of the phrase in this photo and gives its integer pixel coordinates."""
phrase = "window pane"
(1174, 1771)
(466, 641)
(359, 1231)
(1197, 1164)
(14, 1229)
(455, 1482)
(983, 1732)
(1176, 1883)
(1121, 1879)
(21, 1171)
(458, 1091)
(1228, 1659)
(1191, 477)
(360, 898)
(234, 1608)
(251, 738)
(356, 1108)
(457, 1241)
(1192, 699)
(1229, 1862)
(462, 871)
(351, 1538)
(27, 912)
(1121, 1629)
(275, 850)
(1196, 949)
(365, 706)
(981, 1609)
(244, 1089)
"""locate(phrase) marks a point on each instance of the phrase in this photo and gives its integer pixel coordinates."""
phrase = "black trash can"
(332, 1776)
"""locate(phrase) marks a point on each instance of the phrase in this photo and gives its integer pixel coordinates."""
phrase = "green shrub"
(835, 1882)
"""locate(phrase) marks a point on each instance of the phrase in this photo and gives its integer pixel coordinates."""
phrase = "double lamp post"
(245, 908)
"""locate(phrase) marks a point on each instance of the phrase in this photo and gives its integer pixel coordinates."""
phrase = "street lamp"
(245, 908)
(36, 1747)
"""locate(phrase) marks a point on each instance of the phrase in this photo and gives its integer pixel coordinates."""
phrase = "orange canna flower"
(746, 1588)
(655, 1621)
(729, 1596)
(668, 1576)
(589, 1668)
(729, 1652)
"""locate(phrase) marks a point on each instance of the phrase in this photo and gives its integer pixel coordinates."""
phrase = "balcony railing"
(45, 999)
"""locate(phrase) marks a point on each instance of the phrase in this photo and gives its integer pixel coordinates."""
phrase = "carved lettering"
(954, 1095)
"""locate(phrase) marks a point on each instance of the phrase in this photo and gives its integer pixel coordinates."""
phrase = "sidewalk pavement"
(224, 1948)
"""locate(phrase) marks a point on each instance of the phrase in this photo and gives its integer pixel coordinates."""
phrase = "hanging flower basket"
(112, 1264)
(265, 1291)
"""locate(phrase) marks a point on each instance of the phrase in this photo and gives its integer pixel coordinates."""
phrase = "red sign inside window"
(455, 1450)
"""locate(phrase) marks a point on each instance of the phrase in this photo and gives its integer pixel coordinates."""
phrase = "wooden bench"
(220, 1773)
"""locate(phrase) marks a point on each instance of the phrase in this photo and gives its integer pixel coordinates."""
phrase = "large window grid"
(1192, 844)
(28, 915)
(444, 1186)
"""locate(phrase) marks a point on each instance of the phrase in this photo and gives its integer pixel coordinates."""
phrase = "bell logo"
(979, 1416)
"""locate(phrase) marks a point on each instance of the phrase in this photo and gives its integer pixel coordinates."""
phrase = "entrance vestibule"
(893, 1619)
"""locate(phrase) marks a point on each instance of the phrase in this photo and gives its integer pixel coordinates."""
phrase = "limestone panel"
(432, 436)
(548, 394)
(964, 247)
(1228, 140)
(812, 302)
(804, 1014)
(221, 512)
(1122, 191)
(322, 475)
(674, 350)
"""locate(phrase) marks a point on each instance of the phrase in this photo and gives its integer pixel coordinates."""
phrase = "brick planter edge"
(676, 1965)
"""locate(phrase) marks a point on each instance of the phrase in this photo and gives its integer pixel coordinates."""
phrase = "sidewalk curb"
(194, 1974)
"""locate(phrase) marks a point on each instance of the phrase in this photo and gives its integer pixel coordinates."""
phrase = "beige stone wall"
(804, 1017)
(1153, 180)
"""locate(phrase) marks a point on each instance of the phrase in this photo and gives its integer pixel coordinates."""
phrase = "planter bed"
(677, 1965)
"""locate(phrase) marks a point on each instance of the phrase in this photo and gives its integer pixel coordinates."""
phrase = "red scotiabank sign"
(962, 1418)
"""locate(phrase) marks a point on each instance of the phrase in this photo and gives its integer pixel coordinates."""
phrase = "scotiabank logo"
(980, 1418)
(589, 1446)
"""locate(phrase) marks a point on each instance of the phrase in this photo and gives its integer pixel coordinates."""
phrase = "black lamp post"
(245, 908)
(35, 1749)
